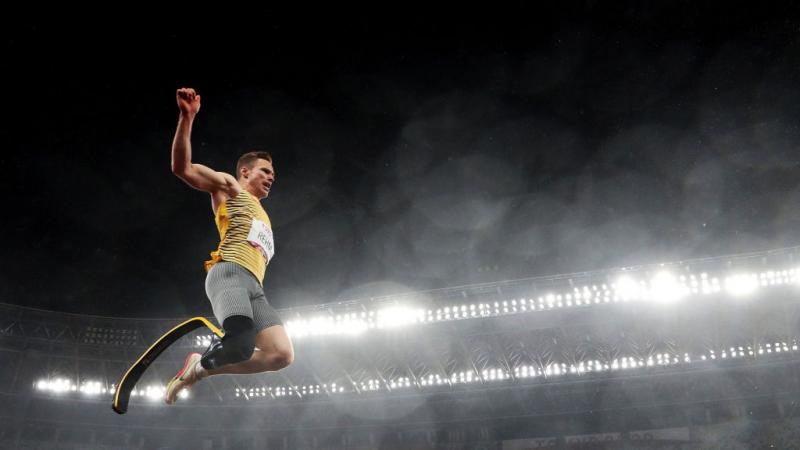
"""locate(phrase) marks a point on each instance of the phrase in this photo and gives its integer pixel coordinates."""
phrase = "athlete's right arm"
(197, 176)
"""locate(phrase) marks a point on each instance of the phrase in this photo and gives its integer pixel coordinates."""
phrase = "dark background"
(413, 149)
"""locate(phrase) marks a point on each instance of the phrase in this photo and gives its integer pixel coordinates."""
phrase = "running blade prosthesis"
(135, 372)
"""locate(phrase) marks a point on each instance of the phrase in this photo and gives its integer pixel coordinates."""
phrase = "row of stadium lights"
(664, 287)
(522, 372)
(95, 388)
(110, 336)
(284, 391)
(156, 392)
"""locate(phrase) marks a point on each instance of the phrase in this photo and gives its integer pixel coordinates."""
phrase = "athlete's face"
(258, 180)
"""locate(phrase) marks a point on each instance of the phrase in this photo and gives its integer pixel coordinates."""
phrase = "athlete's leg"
(274, 352)
(238, 352)
(229, 288)
(237, 346)
(274, 348)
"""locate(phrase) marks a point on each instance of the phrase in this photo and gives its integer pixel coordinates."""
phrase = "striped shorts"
(234, 291)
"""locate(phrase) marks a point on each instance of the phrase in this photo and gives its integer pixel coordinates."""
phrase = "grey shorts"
(234, 291)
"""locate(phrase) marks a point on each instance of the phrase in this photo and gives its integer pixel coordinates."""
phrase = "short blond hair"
(249, 158)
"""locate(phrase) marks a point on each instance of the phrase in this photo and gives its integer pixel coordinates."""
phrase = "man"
(255, 339)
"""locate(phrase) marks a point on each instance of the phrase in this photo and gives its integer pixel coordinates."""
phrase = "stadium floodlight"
(203, 341)
(627, 289)
(740, 285)
(60, 385)
(154, 392)
(91, 388)
(665, 288)
(394, 317)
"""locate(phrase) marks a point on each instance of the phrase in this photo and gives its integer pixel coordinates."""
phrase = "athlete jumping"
(255, 339)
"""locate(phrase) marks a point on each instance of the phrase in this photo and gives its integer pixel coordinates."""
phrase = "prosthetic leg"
(135, 372)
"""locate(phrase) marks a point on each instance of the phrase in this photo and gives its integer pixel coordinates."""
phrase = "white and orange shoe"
(184, 379)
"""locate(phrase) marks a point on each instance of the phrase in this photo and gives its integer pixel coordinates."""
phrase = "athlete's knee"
(282, 358)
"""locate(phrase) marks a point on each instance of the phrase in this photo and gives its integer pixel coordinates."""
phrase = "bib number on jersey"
(260, 236)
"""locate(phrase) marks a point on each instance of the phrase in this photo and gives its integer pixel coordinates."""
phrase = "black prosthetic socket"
(236, 346)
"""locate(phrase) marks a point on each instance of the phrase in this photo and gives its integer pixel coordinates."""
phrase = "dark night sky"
(410, 153)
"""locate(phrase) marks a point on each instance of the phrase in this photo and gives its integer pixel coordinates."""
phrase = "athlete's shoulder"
(223, 196)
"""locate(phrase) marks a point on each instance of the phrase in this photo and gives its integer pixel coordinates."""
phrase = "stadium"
(701, 352)
(511, 226)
